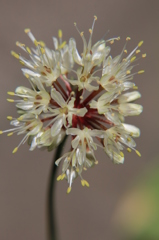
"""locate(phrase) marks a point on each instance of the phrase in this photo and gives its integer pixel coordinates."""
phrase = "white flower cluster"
(83, 96)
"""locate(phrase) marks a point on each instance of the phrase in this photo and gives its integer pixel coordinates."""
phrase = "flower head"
(90, 106)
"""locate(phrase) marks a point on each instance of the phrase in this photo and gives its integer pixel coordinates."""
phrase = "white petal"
(130, 109)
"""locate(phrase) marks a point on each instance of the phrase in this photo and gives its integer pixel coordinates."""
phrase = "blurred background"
(122, 201)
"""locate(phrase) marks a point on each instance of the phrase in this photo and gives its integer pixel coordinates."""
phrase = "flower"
(82, 96)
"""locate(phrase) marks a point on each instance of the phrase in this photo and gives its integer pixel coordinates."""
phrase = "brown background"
(85, 213)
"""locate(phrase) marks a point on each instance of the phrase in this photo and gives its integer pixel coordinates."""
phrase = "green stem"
(51, 194)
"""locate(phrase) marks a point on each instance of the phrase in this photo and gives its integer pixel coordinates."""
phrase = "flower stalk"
(51, 209)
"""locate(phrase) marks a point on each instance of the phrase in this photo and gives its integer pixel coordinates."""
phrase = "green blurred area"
(137, 214)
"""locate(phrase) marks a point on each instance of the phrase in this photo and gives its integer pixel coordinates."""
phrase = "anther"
(10, 134)
(128, 39)
(11, 93)
(28, 50)
(95, 17)
(138, 153)
(14, 54)
(10, 100)
(9, 118)
(68, 190)
(60, 33)
(140, 43)
(129, 149)
(143, 55)
(138, 51)
(133, 59)
(58, 178)
(141, 71)
(15, 150)
(26, 30)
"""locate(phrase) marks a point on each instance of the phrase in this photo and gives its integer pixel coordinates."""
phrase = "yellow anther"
(42, 50)
(138, 51)
(96, 162)
(10, 134)
(62, 45)
(118, 38)
(81, 34)
(128, 139)
(133, 59)
(129, 149)
(9, 117)
(140, 43)
(128, 39)
(28, 50)
(124, 60)
(95, 17)
(141, 71)
(1, 132)
(138, 153)
(20, 118)
(83, 182)
(143, 55)
(128, 72)
(86, 183)
(26, 30)
(42, 43)
(59, 178)
(112, 41)
(121, 154)
(75, 23)
(77, 169)
(85, 169)
(68, 190)
(60, 33)
(15, 150)
(36, 43)
(10, 100)
(63, 176)
(135, 87)
(21, 62)
(14, 54)
(19, 44)
(90, 30)
(11, 93)
(125, 51)
(26, 75)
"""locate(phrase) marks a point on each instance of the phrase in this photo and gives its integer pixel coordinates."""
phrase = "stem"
(51, 194)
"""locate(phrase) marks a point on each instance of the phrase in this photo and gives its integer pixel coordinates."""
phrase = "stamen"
(68, 190)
